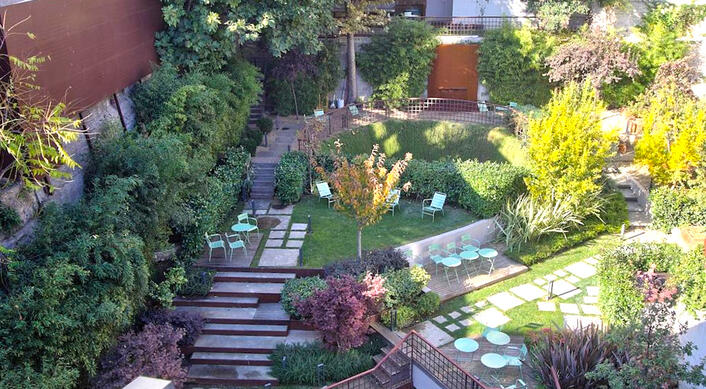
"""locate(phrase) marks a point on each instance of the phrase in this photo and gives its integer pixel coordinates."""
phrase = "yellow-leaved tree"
(568, 149)
(362, 186)
(674, 135)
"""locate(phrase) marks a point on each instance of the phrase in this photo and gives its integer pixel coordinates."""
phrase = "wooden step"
(245, 329)
(251, 344)
(253, 277)
(388, 366)
(230, 375)
(216, 301)
(205, 358)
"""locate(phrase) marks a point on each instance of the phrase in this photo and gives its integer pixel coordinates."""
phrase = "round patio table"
(470, 256)
(488, 253)
(451, 262)
(493, 361)
(466, 345)
(242, 228)
(497, 338)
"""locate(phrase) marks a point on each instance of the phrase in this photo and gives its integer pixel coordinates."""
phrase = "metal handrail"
(475, 383)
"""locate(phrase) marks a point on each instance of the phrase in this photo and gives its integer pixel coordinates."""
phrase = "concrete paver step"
(268, 313)
(227, 276)
(217, 301)
(245, 329)
(206, 358)
(230, 375)
(246, 289)
(251, 344)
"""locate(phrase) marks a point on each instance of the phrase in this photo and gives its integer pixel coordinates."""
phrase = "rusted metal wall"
(96, 47)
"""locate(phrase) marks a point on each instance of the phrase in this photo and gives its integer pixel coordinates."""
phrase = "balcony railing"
(474, 25)
(420, 354)
(434, 109)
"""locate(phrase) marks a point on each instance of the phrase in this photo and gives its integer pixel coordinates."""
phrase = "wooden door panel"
(454, 74)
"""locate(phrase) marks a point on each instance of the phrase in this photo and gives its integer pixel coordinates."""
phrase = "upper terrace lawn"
(429, 140)
(334, 235)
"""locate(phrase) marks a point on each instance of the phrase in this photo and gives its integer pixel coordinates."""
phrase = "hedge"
(614, 216)
(481, 187)
(290, 176)
(674, 207)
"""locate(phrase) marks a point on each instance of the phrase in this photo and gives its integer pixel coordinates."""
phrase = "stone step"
(262, 196)
(227, 276)
(265, 313)
(624, 185)
(230, 375)
(265, 291)
(634, 206)
(245, 329)
(217, 301)
(388, 366)
(251, 344)
(205, 358)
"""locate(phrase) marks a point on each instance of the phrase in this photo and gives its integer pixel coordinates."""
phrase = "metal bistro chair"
(435, 204)
(235, 242)
(325, 192)
(394, 199)
(244, 218)
(434, 251)
(215, 241)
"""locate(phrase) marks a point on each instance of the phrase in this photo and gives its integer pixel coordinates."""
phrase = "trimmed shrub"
(153, 352)
(299, 289)
(374, 261)
(403, 288)
(190, 322)
(406, 316)
(198, 282)
(250, 139)
(675, 207)
(290, 176)
(481, 187)
(427, 304)
(232, 170)
(9, 219)
(690, 277)
(265, 124)
(302, 359)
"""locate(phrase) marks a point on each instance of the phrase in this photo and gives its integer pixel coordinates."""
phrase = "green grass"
(334, 235)
(429, 140)
(527, 317)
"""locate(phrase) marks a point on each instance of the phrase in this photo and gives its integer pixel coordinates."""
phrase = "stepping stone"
(440, 319)
(283, 223)
(590, 309)
(550, 277)
(576, 321)
(454, 315)
(435, 335)
(452, 327)
(571, 294)
(528, 292)
(299, 227)
(573, 279)
(592, 290)
(295, 243)
(466, 322)
(569, 308)
(481, 304)
(540, 281)
(284, 211)
(274, 243)
(590, 300)
(591, 261)
(581, 270)
(546, 306)
(297, 234)
(560, 273)
(491, 317)
(277, 234)
(279, 257)
(259, 212)
(466, 309)
(561, 287)
(505, 301)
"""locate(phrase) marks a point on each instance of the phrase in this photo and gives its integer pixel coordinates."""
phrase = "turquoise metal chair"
(394, 199)
(469, 244)
(215, 241)
(235, 242)
(519, 384)
(451, 250)
(434, 251)
(325, 192)
(515, 356)
(353, 110)
(245, 218)
(513, 104)
(482, 106)
(435, 204)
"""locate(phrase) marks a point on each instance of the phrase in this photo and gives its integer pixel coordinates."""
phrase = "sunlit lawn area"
(334, 235)
(527, 316)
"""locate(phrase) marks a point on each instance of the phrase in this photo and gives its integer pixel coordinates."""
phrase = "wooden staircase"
(244, 324)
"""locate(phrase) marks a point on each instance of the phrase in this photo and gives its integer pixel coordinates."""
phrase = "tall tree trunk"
(294, 95)
(360, 244)
(351, 80)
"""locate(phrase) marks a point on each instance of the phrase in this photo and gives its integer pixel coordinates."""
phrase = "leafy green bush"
(290, 176)
(251, 138)
(399, 59)
(405, 317)
(614, 215)
(150, 97)
(481, 187)
(511, 64)
(427, 304)
(302, 359)
(402, 287)
(431, 141)
(689, 275)
(232, 170)
(198, 282)
(299, 289)
(265, 124)
(377, 261)
(9, 219)
(556, 15)
(674, 207)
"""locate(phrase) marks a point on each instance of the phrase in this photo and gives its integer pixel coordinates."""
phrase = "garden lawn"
(527, 317)
(334, 235)
(431, 141)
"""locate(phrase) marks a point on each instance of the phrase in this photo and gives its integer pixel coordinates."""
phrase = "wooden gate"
(454, 74)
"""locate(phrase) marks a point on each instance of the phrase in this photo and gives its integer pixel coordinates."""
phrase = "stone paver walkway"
(285, 239)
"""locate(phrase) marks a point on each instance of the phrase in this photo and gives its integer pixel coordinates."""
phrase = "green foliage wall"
(399, 59)
(675, 207)
(511, 65)
(290, 177)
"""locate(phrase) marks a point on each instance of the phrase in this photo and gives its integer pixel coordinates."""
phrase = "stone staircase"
(266, 159)
(263, 187)
(636, 197)
(244, 324)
